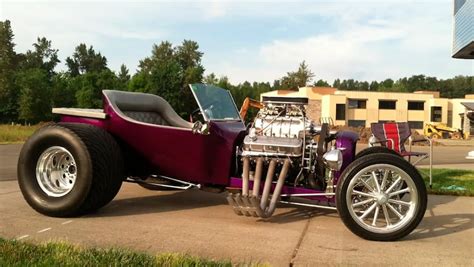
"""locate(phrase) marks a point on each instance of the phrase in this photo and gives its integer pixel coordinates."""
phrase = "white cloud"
(371, 42)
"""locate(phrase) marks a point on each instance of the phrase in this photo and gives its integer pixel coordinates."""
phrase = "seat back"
(145, 108)
(392, 134)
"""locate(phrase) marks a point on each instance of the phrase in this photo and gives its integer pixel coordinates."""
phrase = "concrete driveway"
(202, 224)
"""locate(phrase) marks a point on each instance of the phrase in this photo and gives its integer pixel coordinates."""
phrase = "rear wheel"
(69, 169)
(381, 197)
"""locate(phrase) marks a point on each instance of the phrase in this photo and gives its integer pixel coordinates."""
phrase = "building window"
(387, 104)
(418, 125)
(341, 112)
(357, 103)
(436, 114)
(416, 105)
(356, 123)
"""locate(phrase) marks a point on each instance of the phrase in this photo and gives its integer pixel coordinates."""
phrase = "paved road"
(202, 224)
(8, 159)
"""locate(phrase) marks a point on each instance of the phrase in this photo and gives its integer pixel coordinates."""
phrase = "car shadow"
(435, 226)
(163, 202)
(297, 214)
(431, 226)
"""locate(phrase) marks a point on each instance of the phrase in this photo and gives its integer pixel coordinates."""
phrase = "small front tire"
(381, 197)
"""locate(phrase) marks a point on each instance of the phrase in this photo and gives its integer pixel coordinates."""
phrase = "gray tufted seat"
(145, 108)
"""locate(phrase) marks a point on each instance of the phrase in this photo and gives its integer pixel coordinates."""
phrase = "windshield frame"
(204, 115)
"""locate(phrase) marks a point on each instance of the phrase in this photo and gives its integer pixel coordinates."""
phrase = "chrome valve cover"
(271, 146)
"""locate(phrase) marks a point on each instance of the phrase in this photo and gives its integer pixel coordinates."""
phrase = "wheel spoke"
(376, 215)
(394, 210)
(384, 179)
(374, 176)
(386, 215)
(404, 190)
(367, 201)
(393, 185)
(356, 192)
(399, 202)
(366, 185)
(369, 210)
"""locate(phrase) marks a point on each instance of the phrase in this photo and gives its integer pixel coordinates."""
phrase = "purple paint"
(346, 140)
(176, 152)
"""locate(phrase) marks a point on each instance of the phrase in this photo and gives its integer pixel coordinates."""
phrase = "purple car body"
(206, 159)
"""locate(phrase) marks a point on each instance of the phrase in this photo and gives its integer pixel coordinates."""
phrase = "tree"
(42, 57)
(374, 86)
(89, 86)
(169, 71)
(62, 93)
(322, 83)
(211, 79)
(123, 76)
(387, 84)
(336, 83)
(300, 78)
(8, 68)
(85, 60)
(34, 100)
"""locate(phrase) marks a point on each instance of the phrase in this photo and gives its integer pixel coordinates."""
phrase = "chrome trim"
(309, 195)
(186, 185)
(308, 205)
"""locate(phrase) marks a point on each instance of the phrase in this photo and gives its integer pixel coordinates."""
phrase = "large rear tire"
(381, 197)
(69, 169)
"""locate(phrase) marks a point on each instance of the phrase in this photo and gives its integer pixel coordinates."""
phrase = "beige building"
(361, 108)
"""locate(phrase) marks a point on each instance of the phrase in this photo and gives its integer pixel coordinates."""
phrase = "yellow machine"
(437, 131)
(248, 102)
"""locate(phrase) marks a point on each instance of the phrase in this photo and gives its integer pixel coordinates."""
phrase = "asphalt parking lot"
(201, 224)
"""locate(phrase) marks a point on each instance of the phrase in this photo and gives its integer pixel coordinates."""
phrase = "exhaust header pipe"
(254, 205)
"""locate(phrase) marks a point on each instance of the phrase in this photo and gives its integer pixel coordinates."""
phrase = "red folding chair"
(393, 135)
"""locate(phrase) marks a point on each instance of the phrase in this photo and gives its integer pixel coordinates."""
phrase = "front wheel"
(381, 197)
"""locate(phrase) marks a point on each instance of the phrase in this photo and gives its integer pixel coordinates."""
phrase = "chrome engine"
(291, 148)
(277, 130)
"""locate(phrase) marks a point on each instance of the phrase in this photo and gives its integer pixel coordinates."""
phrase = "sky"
(255, 40)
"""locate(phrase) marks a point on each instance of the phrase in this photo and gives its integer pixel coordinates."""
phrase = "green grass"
(450, 182)
(15, 133)
(15, 253)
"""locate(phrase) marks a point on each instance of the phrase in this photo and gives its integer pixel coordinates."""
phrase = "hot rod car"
(77, 166)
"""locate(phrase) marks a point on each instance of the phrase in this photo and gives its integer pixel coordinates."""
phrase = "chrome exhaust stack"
(255, 205)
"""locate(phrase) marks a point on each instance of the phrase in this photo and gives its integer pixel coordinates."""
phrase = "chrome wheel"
(56, 171)
(382, 198)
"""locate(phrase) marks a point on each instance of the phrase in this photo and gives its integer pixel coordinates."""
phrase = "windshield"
(215, 103)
